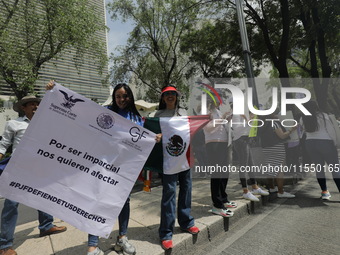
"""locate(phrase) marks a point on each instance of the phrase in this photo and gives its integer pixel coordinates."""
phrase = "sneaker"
(260, 191)
(325, 195)
(123, 245)
(250, 196)
(222, 212)
(167, 244)
(275, 190)
(192, 230)
(8, 251)
(230, 204)
(97, 251)
(285, 195)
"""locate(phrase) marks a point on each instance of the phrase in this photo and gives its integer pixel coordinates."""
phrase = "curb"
(144, 223)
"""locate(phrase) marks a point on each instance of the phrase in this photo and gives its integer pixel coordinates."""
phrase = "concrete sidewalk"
(143, 225)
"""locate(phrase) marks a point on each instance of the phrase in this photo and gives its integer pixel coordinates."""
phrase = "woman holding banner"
(169, 107)
(123, 103)
(321, 146)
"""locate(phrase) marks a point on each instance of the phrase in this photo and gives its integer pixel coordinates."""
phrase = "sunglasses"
(170, 93)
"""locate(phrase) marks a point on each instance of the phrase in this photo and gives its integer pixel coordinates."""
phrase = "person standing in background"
(320, 145)
(216, 139)
(241, 145)
(273, 135)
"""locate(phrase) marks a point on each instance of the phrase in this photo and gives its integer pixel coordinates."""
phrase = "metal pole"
(246, 50)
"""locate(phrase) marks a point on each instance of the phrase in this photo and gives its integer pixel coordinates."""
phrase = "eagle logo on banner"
(69, 102)
(175, 146)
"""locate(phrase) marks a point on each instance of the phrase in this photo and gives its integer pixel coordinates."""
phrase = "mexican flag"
(172, 155)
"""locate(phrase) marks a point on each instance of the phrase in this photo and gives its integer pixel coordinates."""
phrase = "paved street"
(304, 225)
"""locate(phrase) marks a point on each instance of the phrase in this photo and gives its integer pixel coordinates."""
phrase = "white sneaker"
(97, 251)
(260, 191)
(275, 190)
(124, 246)
(325, 196)
(285, 195)
(250, 196)
(222, 212)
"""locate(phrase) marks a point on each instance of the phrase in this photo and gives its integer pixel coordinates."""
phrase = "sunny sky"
(118, 33)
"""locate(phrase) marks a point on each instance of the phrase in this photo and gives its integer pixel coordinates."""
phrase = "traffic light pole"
(246, 50)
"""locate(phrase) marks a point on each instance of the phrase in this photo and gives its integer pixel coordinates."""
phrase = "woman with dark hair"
(123, 103)
(169, 107)
(273, 135)
(169, 103)
(320, 145)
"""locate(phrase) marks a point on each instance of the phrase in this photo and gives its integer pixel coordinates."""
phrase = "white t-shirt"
(325, 128)
(217, 133)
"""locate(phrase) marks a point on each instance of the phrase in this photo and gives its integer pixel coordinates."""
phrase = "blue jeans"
(9, 218)
(168, 204)
(321, 152)
(123, 221)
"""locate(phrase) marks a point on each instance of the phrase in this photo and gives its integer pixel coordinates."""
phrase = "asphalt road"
(299, 226)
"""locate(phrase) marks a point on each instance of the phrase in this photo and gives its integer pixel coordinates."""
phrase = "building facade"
(84, 79)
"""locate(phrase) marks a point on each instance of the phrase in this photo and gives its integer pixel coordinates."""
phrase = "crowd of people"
(319, 143)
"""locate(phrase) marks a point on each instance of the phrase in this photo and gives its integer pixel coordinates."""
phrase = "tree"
(215, 46)
(272, 19)
(152, 53)
(290, 27)
(319, 39)
(34, 32)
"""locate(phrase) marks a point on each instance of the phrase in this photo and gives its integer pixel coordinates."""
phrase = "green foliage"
(318, 31)
(34, 32)
(152, 55)
(216, 48)
(173, 41)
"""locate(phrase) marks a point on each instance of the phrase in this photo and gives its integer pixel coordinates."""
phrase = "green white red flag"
(173, 154)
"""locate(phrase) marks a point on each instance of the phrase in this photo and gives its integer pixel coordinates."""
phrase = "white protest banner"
(77, 161)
